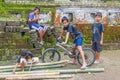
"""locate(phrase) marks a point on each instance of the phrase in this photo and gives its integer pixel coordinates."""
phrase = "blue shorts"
(78, 42)
(38, 27)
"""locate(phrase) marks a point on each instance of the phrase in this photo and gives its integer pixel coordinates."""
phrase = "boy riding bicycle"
(78, 39)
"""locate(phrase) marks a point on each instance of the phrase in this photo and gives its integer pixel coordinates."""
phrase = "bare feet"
(84, 66)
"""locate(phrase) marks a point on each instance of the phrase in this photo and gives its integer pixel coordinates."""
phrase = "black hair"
(36, 8)
(99, 14)
(23, 52)
(65, 18)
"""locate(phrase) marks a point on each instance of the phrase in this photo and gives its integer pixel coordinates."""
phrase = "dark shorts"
(96, 46)
(78, 42)
(18, 60)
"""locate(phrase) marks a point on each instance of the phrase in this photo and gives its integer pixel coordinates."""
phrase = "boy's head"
(98, 16)
(36, 10)
(23, 53)
(65, 21)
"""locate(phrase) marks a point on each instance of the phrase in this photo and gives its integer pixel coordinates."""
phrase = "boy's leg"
(23, 62)
(40, 29)
(44, 28)
(75, 58)
(41, 33)
(97, 49)
(22, 66)
(97, 56)
(78, 43)
(16, 65)
(14, 70)
(83, 57)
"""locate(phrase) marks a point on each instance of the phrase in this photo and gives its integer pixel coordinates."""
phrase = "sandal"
(96, 62)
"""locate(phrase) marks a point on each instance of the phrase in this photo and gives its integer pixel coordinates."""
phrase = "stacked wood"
(34, 68)
(38, 64)
(66, 71)
(6, 71)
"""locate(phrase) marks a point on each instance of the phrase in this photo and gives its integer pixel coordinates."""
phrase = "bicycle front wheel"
(50, 55)
(89, 56)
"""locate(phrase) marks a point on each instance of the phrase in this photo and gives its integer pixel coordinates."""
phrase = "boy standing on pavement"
(97, 36)
(77, 36)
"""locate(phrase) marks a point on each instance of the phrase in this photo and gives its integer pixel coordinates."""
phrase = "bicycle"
(52, 54)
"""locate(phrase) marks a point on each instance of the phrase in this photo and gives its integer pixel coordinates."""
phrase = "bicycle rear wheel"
(89, 56)
(50, 55)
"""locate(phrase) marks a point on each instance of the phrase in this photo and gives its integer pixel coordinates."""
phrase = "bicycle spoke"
(89, 57)
(51, 56)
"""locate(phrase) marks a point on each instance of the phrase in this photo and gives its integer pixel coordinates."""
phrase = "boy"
(97, 36)
(33, 23)
(25, 58)
(78, 38)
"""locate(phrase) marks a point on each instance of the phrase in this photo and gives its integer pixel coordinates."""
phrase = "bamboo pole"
(27, 75)
(37, 64)
(66, 71)
(34, 68)
(39, 77)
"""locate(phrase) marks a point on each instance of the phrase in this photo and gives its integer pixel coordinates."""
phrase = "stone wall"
(14, 37)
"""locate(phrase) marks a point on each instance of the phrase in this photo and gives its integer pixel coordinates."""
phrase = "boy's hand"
(63, 43)
(59, 37)
(32, 60)
(101, 42)
(36, 19)
(91, 43)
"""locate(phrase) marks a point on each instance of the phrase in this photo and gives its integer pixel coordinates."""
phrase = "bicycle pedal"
(73, 56)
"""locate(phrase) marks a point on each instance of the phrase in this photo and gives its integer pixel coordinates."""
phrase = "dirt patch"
(109, 61)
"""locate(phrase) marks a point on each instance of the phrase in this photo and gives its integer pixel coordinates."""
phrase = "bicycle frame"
(65, 50)
(54, 51)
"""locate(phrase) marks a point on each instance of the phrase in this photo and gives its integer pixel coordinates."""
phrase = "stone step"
(13, 28)
(13, 23)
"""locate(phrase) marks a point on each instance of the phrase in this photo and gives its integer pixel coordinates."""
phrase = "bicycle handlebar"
(65, 45)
